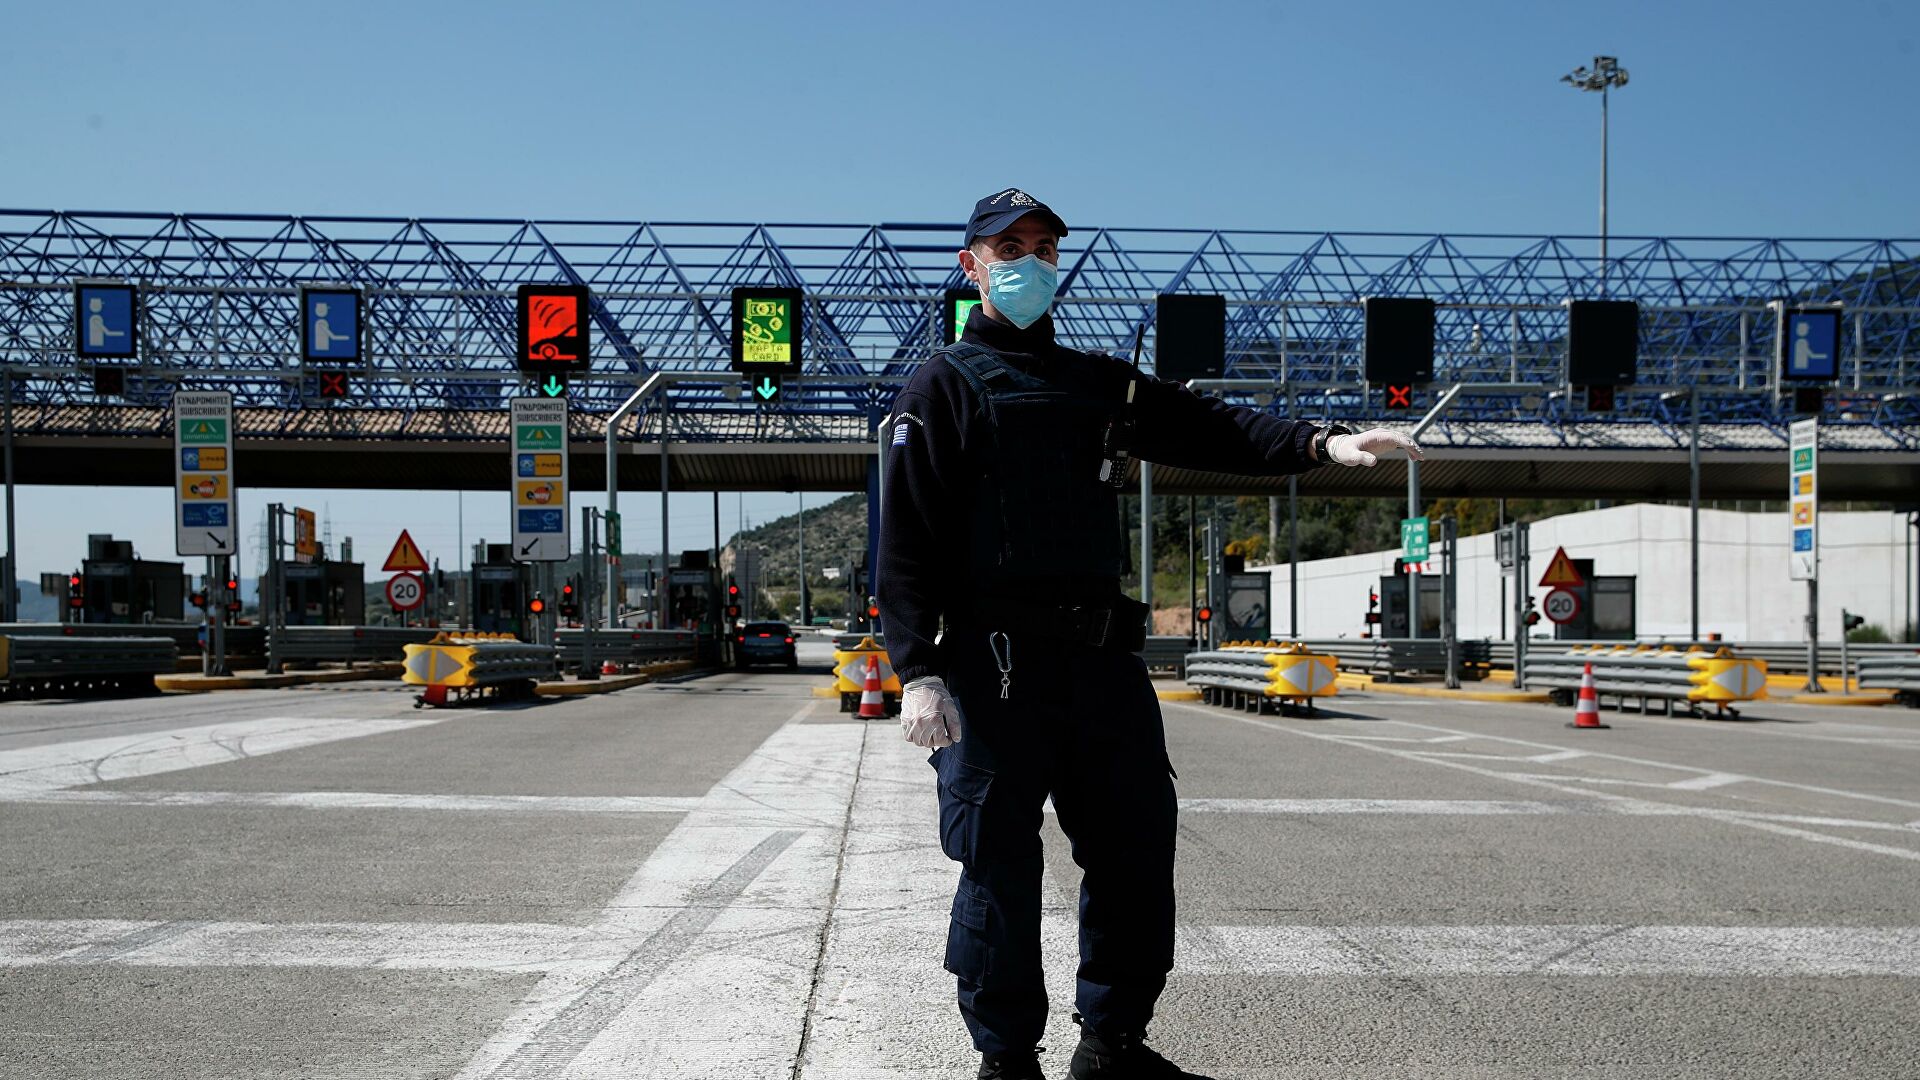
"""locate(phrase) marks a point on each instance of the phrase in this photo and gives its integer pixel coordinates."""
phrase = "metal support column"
(1193, 572)
(589, 550)
(1449, 601)
(1693, 509)
(1146, 539)
(217, 639)
(662, 584)
(1522, 557)
(1413, 576)
(10, 601)
(1813, 637)
(270, 589)
(1293, 557)
(800, 501)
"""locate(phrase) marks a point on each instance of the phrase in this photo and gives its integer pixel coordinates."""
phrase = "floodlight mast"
(1605, 74)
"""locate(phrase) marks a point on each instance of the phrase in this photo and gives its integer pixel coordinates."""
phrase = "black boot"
(1011, 1065)
(1120, 1056)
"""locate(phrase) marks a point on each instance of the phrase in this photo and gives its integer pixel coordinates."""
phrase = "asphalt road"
(724, 877)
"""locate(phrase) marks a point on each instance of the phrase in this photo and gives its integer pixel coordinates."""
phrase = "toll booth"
(1393, 604)
(325, 593)
(1609, 607)
(501, 589)
(115, 587)
(693, 597)
(1243, 609)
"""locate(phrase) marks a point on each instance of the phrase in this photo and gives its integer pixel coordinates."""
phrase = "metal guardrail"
(1252, 677)
(1782, 657)
(36, 665)
(625, 647)
(1168, 652)
(1647, 675)
(1898, 672)
(1388, 658)
(456, 667)
(243, 642)
(347, 644)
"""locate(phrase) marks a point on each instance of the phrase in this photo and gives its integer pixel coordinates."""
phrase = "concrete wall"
(1744, 589)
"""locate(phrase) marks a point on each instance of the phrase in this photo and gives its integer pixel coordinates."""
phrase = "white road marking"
(885, 1003)
(728, 911)
(35, 771)
(1625, 803)
(1707, 782)
(377, 800)
(1470, 807)
(1661, 951)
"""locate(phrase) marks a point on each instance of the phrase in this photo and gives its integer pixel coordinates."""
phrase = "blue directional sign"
(330, 325)
(106, 321)
(1809, 345)
(211, 515)
(543, 521)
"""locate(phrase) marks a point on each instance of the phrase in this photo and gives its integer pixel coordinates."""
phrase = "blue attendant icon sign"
(330, 325)
(106, 321)
(1809, 344)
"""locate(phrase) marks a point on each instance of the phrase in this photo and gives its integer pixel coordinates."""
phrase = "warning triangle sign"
(1560, 572)
(405, 555)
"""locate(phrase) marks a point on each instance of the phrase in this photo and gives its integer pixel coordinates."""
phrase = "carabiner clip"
(1000, 643)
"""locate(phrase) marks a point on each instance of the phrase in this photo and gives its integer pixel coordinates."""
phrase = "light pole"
(1605, 74)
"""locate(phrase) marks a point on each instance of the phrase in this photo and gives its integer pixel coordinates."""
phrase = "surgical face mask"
(1021, 289)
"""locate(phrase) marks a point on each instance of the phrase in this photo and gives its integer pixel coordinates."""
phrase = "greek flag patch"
(900, 428)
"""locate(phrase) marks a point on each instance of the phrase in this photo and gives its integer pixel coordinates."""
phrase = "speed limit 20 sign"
(405, 592)
(1561, 605)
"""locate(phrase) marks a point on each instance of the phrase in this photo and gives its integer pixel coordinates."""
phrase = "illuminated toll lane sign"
(555, 329)
(768, 330)
(540, 520)
(954, 310)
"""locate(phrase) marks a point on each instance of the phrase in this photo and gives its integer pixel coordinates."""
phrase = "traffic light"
(733, 611)
(1849, 622)
(1373, 608)
(568, 608)
(76, 591)
(199, 598)
(1205, 615)
(1532, 617)
(873, 608)
(233, 596)
(536, 606)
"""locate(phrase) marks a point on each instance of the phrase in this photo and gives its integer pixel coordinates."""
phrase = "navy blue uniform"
(991, 505)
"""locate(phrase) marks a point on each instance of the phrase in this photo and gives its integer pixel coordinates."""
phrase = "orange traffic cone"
(873, 704)
(1586, 714)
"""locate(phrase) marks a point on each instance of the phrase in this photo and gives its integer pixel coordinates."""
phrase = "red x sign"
(333, 384)
(1399, 397)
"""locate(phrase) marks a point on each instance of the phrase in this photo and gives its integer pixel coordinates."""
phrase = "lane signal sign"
(1399, 397)
(554, 329)
(1561, 573)
(106, 321)
(405, 556)
(333, 384)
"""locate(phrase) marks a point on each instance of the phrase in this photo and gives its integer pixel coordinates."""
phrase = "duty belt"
(1120, 624)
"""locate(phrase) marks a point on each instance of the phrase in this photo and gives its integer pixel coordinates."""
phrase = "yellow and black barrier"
(850, 674)
(465, 666)
(1649, 674)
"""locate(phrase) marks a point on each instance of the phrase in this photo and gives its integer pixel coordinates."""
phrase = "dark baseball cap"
(993, 214)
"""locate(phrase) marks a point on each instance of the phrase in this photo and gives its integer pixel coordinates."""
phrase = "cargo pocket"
(968, 953)
(963, 798)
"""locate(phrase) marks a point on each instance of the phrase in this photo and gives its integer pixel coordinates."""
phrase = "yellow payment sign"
(767, 328)
(540, 493)
(195, 486)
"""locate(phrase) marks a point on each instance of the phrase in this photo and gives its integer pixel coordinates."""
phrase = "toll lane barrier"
(1646, 674)
(468, 667)
(850, 673)
(44, 666)
(1250, 675)
(1900, 674)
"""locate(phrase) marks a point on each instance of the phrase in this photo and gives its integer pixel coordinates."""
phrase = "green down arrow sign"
(768, 389)
(553, 387)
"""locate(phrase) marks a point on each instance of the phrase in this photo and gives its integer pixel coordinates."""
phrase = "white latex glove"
(1364, 447)
(929, 717)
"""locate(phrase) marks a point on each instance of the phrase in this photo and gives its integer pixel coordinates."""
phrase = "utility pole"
(1605, 74)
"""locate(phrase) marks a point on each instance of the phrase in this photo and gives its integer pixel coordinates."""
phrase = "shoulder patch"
(903, 426)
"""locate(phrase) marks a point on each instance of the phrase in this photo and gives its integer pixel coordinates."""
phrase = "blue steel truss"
(220, 295)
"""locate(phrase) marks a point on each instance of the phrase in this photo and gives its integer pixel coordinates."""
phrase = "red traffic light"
(1205, 614)
(873, 611)
(566, 590)
(536, 606)
(733, 590)
(73, 582)
(199, 600)
(733, 611)
(233, 584)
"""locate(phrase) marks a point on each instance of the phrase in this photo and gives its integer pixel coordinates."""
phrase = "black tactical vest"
(1041, 516)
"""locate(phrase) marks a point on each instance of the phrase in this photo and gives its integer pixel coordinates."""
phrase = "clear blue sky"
(1755, 118)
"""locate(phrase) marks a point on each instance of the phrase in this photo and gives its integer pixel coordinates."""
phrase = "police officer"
(1000, 517)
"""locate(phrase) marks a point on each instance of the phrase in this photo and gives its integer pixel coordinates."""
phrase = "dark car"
(764, 643)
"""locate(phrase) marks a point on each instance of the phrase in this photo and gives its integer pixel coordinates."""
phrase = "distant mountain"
(37, 608)
(835, 533)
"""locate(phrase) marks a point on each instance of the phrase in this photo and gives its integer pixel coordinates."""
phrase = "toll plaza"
(114, 586)
(1487, 799)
